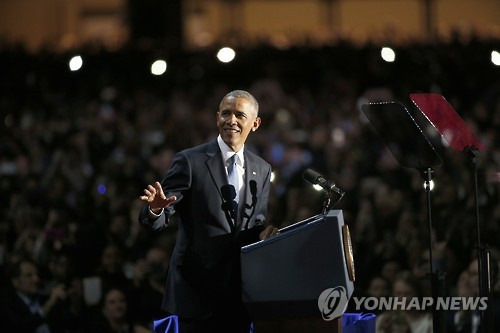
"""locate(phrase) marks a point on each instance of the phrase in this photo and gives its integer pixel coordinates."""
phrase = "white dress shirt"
(227, 153)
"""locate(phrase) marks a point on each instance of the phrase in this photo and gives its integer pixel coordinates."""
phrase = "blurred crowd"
(77, 148)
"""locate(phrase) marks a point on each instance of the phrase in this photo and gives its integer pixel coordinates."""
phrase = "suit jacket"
(16, 315)
(204, 272)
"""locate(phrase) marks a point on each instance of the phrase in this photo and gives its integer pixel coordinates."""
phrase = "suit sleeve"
(177, 182)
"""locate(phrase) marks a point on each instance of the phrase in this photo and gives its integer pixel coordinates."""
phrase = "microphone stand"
(326, 202)
(437, 278)
(227, 196)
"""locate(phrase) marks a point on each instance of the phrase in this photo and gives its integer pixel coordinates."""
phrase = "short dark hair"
(243, 94)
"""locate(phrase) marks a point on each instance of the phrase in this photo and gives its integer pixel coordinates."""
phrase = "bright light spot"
(75, 63)
(226, 54)
(273, 176)
(388, 54)
(101, 189)
(317, 187)
(431, 185)
(495, 58)
(159, 67)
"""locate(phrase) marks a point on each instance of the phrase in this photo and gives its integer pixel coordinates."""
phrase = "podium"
(286, 278)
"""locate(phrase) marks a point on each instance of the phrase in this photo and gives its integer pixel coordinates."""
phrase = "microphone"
(250, 209)
(228, 204)
(253, 191)
(228, 192)
(316, 179)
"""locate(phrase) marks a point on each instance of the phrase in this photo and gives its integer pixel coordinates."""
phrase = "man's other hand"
(269, 231)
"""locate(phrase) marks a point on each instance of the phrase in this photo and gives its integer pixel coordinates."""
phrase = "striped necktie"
(233, 179)
(232, 176)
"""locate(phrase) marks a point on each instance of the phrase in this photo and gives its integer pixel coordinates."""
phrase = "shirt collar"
(26, 299)
(227, 152)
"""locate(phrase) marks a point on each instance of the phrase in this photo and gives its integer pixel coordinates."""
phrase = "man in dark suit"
(221, 202)
(21, 306)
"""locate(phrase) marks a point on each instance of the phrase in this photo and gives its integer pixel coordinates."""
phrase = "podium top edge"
(283, 232)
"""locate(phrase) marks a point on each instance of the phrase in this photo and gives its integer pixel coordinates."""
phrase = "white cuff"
(154, 216)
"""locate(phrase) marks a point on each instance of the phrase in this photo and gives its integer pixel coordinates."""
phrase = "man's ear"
(256, 124)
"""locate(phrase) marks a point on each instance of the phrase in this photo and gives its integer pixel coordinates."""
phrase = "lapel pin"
(254, 173)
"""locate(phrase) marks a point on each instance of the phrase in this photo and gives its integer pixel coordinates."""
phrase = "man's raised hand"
(155, 198)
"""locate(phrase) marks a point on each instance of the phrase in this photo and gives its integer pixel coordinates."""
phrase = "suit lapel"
(218, 175)
(215, 166)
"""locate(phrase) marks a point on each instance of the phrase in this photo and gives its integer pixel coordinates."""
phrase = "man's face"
(235, 119)
(28, 281)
